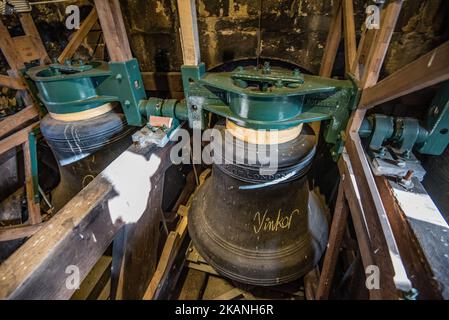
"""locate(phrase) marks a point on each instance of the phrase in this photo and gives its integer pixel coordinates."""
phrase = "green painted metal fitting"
(271, 98)
(406, 133)
(383, 130)
(195, 94)
(71, 88)
(164, 108)
(34, 164)
(437, 124)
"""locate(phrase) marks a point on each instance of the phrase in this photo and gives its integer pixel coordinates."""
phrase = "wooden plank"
(230, 295)
(20, 118)
(89, 287)
(34, 209)
(332, 42)
(80, 232)
(330, 51)
(25, 46)
(422, 248)
(350, 38)
(19, 232)
(381, 239)
(426, 71)
(338, 228)
(10, 82)
(376, 56)
(382, 40)
(168, 255)
(372, 244)
(7, 46)
(114, 31)
(17, 138)
(78, 37)
(189, 32)
(30, 29)
(311, 281)
(365, 43)
(430, 229)
(193, 286)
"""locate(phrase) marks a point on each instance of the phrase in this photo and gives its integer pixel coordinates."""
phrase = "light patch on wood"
(419, 207)
(130, 175)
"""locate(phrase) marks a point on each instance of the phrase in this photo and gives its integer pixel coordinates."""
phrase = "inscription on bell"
(263, 222)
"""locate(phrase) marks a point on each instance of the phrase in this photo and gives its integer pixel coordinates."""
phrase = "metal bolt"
(279, 84)
(118, 76)
(266, 68)
(406, 181)
(436, 111)
(127, 103)
(409, 175)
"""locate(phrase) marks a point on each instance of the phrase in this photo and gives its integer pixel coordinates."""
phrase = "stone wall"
(291, 30)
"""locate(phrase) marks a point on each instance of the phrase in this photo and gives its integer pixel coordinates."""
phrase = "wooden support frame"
(78, 36)
(114, 31)
(430, 69)
(14, 121)
(349, 31)
(332, 42)
(84, 228)
(18, 51)
(189, 32)
(338, 228)
(373, 206)
(21, 139)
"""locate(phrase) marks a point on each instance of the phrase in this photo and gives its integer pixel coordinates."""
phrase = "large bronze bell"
(254, 229)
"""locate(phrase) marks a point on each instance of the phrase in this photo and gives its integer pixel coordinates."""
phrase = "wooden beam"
(34, 209)
(376, 56)
(81, 231)
(422, 236)
(7, 46)
(19, 232)
(330, 51)
(332, 42)
(189, 32)
(30, 30)
(372, 246)
(382, 40)
(114, 31)
(16, 120)
(350, 38)
(26, 47)
(78, 37)
(338, 228)
(365, 43)
(17, 138)
(386, 255)
(10, 82)
(426, 71)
